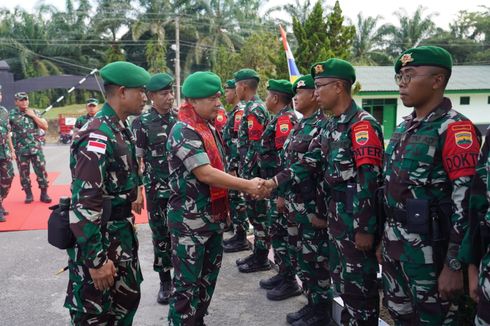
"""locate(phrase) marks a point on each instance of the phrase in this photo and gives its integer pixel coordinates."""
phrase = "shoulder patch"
(96, 146)
(461, 149)
(255, 128)
(366, 145)
(283, 128)
(97, 136)
(237, 120)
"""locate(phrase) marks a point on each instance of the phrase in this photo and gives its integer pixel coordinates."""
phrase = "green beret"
(334, 68)
(202, 84)
(160, 81)
(246, 73)
(424, 56)
(303, 82)
(281, 86)
(93, 101)
(125, 74)
(230, 83)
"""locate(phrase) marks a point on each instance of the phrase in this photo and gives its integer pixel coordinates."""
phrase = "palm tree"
(366, 48)
(411, 32)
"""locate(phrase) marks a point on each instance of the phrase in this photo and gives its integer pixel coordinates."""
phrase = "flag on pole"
(293, 70)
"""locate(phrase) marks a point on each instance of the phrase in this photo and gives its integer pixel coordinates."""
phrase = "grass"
(73, 110)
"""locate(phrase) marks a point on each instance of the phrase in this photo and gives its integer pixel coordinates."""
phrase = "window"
(464, 100)
(488, 101)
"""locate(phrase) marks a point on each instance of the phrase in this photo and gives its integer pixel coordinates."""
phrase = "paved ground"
(30, 293)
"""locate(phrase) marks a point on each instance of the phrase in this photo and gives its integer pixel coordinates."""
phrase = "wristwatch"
(454, 264)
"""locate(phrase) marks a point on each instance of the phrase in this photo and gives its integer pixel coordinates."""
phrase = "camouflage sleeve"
(256, 122)
(186, 144)
(460, 152)
(87, 195)
(242, 144)
(140, 136)
(78, 123)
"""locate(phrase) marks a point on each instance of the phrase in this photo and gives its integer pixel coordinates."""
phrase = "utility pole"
(177, 59)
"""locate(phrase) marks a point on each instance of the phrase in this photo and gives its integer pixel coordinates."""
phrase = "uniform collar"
(158, 114)
(314, 117)
(435, 114)
(108, 112)
(347, 116)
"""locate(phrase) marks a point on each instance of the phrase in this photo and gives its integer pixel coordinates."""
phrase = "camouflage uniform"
(254, 120)
(430, 159)
(105, 178)
(151, 132)
(25, 138)
(308, 245)
(83, 120)
(6, 166)
(270, 162)
(230, 138)
(220, 121)
(196, 239)
(348, 152)
(475, 246)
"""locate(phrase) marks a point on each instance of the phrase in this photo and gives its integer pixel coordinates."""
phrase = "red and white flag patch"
(97, 147)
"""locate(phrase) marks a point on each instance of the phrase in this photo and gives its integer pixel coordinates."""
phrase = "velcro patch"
(97, 147)
(97, 136)
(461, 149)
(366, 145)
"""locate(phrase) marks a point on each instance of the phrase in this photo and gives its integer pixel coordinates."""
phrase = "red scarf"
(219, 196)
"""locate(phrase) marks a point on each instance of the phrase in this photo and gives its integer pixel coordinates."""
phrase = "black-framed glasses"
(318, 86)
(406, 78)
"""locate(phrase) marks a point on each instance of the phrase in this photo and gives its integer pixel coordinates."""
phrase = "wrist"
(453, 264)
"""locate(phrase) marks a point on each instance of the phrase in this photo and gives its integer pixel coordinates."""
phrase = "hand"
(256, 188)
(318, 223)
(13, 156)
(364, 241)
(450, 283)
(270, 184)
(379, 254)
(281, 205)
(103, 276)
(30, 113)
(473, 282)
(139, 203)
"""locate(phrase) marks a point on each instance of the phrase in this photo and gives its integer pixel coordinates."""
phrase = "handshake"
(259, 188)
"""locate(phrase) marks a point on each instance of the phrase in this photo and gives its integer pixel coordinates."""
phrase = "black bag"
(418, 216)
(59, 232)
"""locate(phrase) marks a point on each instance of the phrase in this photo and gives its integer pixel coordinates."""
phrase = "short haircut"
(110, 89)
(252, 83)
(347, 85)
(283, 98)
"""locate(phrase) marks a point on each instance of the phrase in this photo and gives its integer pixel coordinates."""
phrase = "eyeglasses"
(318, 86)
(406, 78)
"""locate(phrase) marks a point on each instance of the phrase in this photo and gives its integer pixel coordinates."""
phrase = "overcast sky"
(447, 10)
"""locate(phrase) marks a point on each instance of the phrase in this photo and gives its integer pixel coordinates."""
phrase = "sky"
(446, 10)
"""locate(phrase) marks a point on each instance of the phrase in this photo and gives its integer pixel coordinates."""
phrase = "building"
(468, 89)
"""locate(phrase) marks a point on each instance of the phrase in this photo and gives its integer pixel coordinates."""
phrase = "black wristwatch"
(454, 264)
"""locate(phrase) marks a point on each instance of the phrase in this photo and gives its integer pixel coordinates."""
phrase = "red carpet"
(34, 216)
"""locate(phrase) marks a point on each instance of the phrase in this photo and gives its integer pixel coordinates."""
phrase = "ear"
(439, 81)
(121, 91)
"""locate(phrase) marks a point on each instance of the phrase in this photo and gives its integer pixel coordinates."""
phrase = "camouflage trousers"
(196, 261)
(483, 307)
(411, 294)
(280, 239)
(258, 217)
(313, 259)
(354, 276)
(39, 167)
(238, 210)
(6, 176)
(160, 236)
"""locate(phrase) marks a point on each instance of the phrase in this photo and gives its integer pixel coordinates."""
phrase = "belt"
(396, 214)
(120, 213)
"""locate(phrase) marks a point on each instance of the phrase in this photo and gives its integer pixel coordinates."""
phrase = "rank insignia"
(406, 58)
(301, 83)
(319, 69)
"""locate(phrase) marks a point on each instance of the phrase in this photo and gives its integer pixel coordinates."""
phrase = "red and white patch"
(255, 128)
(461, 149)
(366, 145)
(238, 119)
(97, 147)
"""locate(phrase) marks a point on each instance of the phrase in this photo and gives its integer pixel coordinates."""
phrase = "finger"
(111, 281)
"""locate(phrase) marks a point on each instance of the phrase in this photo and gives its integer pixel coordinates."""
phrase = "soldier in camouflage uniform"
(278, 102)
(104, 270)
(26, 124)
(198, 204)
(428, 167)
(92, 109)
(254, 120)
(348, 153)
(475, 246)
(238, 241)
(7, 154)
(307, 244)
(151, 131)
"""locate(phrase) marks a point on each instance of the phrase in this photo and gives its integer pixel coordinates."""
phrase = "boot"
(318, 316)
(295, 316)
(5, 213)
(29, 197)
(259, 263)
(240, 244)
(230, 240)
(288, 288)
(44, 196)
(244, 260)
(272, 282)
(200, 322)
(165, 291)
(2, 218)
